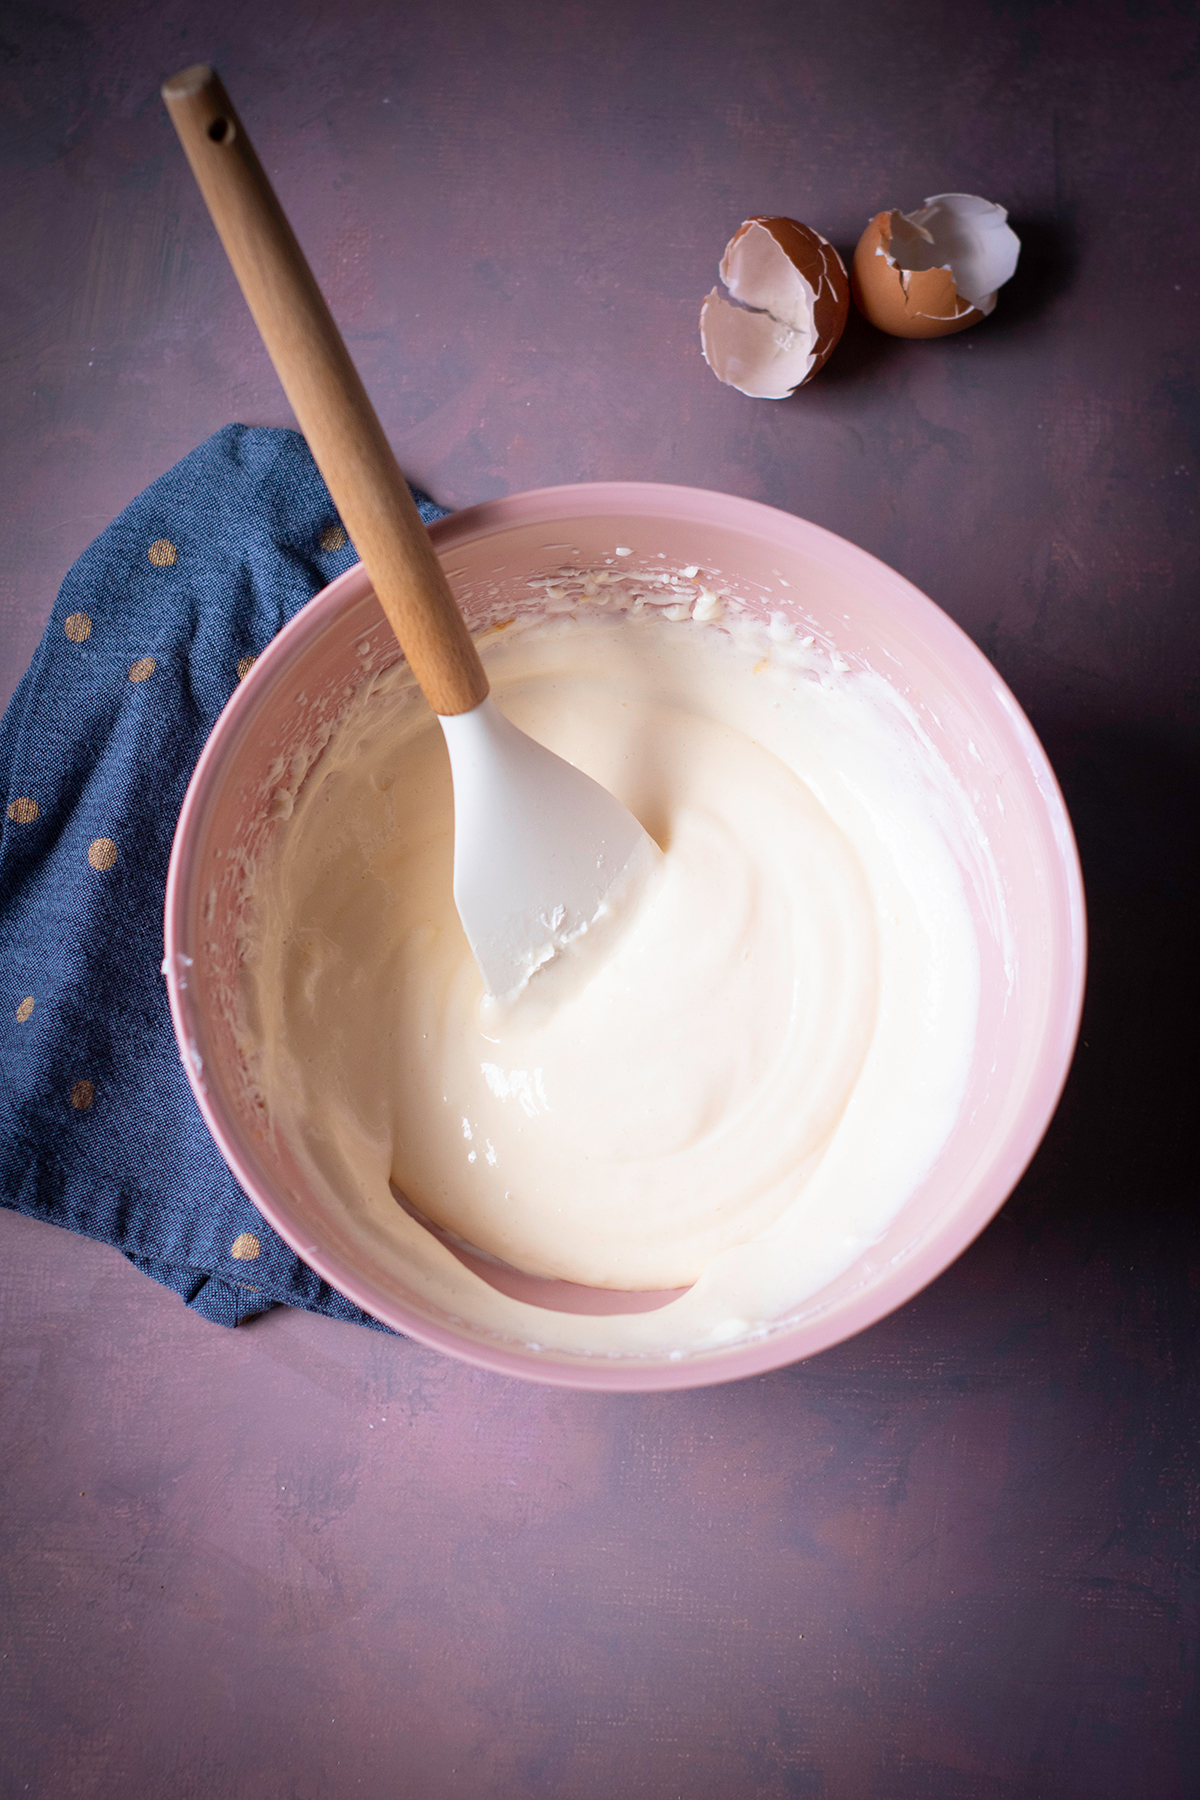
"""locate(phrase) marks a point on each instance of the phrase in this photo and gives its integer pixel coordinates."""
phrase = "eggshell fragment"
(788, 306)
(927, 273)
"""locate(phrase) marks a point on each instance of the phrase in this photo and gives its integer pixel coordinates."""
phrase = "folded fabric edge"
(223, 1302)
(233, 1303)
(214, 1297)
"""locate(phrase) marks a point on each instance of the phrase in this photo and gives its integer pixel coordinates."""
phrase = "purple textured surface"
(955, 1559)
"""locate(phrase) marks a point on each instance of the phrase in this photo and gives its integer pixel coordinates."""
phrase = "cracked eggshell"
(927, 273)
(789, 297)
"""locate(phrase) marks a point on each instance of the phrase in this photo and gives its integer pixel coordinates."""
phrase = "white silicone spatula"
(541, 852)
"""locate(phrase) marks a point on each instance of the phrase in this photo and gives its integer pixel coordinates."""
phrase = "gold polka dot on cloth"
(245, 1246)
(332, 538)
(25, 1009)
(102, 853)
(78, 627)
(245, 665)
(162, 553)
(143, 668)
(82, 1095)
(23, 811)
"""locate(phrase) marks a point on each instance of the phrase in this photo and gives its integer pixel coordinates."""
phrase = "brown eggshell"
(789, 300)
(921, 303)
(821, 267)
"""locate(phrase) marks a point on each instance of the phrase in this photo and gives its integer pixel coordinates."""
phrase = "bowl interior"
(1023, 883)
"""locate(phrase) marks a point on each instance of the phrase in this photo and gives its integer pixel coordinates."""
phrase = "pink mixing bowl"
(1027, 902)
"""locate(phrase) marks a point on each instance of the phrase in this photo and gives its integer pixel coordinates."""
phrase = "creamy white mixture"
(738, 1096)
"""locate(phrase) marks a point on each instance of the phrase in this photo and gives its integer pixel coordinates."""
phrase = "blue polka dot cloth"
(155, 626)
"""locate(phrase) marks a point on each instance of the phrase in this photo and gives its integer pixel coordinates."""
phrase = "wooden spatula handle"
(326, 394)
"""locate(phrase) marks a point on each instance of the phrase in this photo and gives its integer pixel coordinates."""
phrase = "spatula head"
(542, 853)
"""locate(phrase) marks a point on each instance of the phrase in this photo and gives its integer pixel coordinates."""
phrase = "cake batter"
(736, 1095)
